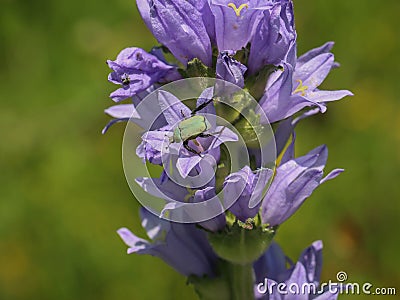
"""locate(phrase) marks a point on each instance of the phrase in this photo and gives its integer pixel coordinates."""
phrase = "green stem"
(235, 282)
(238, 247)
(241, 281)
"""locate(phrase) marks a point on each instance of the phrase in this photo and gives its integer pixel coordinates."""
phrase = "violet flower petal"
(236, 21)
(209, 110)
(122, 111)
(272, 267)
(247, 188)
(326, 48)
(313, 72)
(229, 69)
(183, 246)
(311, 259)
(179, 26)
(217, 223)
(173, 109)
(136, 70)
(274, 38)
(295, 180)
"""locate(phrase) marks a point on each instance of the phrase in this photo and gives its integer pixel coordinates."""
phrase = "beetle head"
(176, 137)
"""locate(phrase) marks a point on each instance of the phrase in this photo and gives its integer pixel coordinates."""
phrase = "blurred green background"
(63, 192)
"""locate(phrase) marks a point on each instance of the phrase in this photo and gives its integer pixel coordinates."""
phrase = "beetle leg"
(215, 134)
(190, 149)
(183, 115)
(166, 147)
(201, 106)
(205, 135)
(198, 145)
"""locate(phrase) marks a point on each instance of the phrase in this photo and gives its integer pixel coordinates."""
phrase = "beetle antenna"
(167, 147)
(201, 106)
(216, 135)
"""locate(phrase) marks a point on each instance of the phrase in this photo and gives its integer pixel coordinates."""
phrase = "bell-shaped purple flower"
(311, 70)
(324, 49)
(217, 223)
(247, 187)
(176, 194)
(179, 26)
(120, 113)
(143, 113)
(294, 182)
(275, 38)
(229, 69)
(174, 112)
(236, 21)
(272, 264)
(150, 148)
(183, 246)
(271, 269)
(208, 18)
(290, 89)
(276, 101)
(136, 70)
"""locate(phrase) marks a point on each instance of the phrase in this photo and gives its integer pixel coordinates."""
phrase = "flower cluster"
(251, 45)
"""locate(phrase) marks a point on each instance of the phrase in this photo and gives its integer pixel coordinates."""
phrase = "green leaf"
(195, 68)
(250, 128)
(256, 83)
(243, 243)
(216, 288)
(233, 282)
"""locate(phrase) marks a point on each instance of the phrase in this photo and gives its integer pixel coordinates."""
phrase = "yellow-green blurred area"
(63, 192)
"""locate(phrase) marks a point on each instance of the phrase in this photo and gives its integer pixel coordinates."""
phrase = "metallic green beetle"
(191, 128)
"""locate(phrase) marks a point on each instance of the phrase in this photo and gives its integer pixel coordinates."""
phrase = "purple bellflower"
(236, 21)
(135, 70)
(167, 189)
(208, 18)
(251, 44)
(229, 69)
(179, 26)
(294, 182)
(147, 115)
(159, 142)
(290, 89)
(275, 38)
(271, 269)
(248, 185)
(183, 246)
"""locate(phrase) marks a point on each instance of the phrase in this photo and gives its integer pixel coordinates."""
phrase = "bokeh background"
(63, 192)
